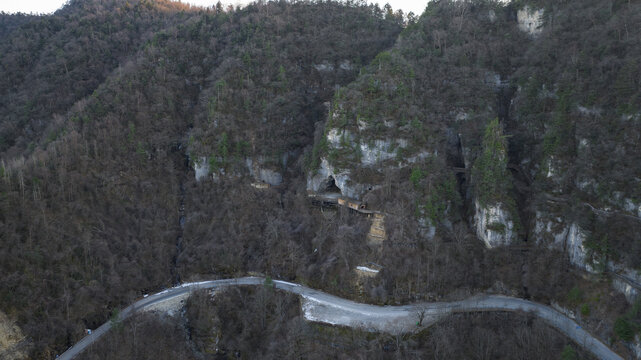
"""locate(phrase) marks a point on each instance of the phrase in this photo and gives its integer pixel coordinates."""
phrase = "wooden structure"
(260, 185)
(333, 200)
(323, 200)
(351, 204)
(377, 233)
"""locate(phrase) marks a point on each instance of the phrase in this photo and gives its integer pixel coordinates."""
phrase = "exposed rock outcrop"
(260, 173)
(201, 168)
(494, 225)
(630, 292)
(530, 20)
(428, 230)
(263, 174)
(372, 153)
(326, 174)
(379, 150)
(632, 207)
(556, 233)
(327, 66)
(575, 248)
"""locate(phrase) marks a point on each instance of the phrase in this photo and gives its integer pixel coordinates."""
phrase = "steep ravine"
(521, 182)
(184, 173)
(456, 160)
(504, 95)
(181, 228)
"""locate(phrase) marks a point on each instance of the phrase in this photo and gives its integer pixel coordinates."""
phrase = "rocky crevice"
(520, 179)
(500, 223)
(181, 161)
(456, 159)
(521, 184)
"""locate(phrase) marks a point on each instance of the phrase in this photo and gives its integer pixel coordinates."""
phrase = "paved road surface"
(322, 307)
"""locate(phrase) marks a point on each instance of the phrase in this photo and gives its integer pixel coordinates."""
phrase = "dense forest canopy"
(98, 107)
(137, 139)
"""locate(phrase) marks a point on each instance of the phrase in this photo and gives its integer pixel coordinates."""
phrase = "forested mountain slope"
(512, 125)
(567, 122)
(148, 143)
(8, 23)
(576, 126)
(91, 208)
(51, 62)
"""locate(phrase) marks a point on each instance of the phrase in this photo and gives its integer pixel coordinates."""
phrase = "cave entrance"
(330, 186)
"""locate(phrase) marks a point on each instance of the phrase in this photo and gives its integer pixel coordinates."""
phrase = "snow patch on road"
(366, 269)
(285, 283)
(190, 284)
(194, 284)
(310, 312)
(366, 317)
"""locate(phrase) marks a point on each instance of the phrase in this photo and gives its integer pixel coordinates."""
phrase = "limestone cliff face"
(530, 20)
(494, 225)
(556, 233)
(254, 167)
(632, 207)
(376, 151)
(624, 280)
(569, 238)
(327, 67)
(262, 173)
(357, 148)
(326, 176)
(575, 248)
(549, 230)
(631, 293)
(201, 168)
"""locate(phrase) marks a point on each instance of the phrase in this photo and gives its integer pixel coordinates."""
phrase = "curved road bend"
(322, 307)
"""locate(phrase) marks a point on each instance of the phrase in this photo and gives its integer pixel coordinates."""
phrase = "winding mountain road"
(322, 307)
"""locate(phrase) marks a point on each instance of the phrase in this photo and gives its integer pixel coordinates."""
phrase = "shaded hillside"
(8, 22)
(267, 94)
(50, 62)
(91, 217)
